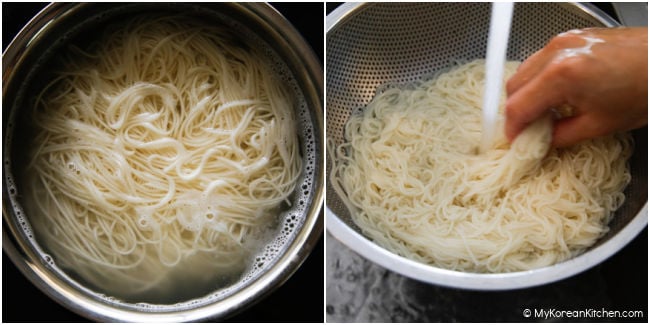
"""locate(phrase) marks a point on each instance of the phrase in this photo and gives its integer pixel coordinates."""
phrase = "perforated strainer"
(375, 44)
(258, 25)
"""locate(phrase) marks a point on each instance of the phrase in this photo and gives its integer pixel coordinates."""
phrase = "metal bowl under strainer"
(376, 44)
(299, 226)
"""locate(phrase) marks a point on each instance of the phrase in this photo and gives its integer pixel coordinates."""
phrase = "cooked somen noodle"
(411, 175)
(162, 154)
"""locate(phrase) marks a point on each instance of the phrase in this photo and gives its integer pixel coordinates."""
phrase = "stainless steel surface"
(632, 13)
(264, 27)
(371, 45)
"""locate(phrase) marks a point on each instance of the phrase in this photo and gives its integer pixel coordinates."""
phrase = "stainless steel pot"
(48, 33)
(375, 44)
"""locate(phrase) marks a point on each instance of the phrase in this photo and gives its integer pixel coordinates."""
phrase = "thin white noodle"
(165, 147)
(410, 174)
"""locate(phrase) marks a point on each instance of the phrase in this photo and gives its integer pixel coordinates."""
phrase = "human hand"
(600, 73)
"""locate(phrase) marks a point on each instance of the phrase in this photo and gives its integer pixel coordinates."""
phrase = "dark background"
(300, 299)
(621, 282)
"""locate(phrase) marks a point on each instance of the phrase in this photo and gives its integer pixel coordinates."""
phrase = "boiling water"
(496, 58)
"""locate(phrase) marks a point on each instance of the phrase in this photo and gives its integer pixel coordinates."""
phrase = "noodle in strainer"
(412, 177)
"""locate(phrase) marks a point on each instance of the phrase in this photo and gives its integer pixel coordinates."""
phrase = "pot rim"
(72, 296)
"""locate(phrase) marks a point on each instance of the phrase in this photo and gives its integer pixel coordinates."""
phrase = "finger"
(527, 70)
(573, 130)
(531, 102)
(536, 63)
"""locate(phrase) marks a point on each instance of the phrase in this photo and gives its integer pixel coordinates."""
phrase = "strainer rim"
(479, 281)
(484, 281)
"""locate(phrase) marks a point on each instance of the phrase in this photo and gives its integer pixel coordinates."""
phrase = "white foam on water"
(495, 61)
